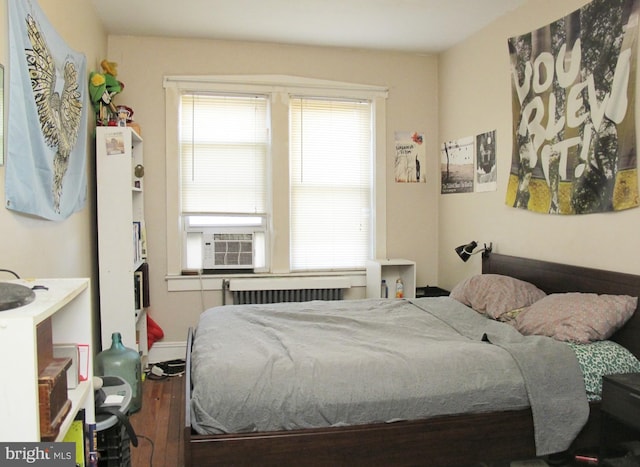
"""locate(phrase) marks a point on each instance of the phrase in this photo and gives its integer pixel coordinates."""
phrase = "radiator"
(278, 290)
(243, 297)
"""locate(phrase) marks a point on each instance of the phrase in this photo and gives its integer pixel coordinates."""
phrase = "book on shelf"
(77, 434)
(92, 436)
(141, 287)
(146, 301)
(143, 241)
(137, 241)
(138, 287)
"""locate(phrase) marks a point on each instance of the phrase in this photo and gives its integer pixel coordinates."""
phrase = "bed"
(462, 438)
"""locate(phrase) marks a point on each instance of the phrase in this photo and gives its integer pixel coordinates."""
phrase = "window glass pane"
(330, 183)
(223, 151)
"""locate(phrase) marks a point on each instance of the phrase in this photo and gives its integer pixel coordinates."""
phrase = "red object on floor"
(154, 332)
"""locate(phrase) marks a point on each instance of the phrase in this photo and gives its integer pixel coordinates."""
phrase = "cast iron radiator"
(242, 297)
(271, 291)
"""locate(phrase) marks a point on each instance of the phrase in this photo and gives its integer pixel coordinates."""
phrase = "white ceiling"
(402, 25)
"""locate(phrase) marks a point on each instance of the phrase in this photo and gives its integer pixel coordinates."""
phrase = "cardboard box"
(69, 351)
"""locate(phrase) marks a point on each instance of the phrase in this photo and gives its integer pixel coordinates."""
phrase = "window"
(331, 183)
(293, 166)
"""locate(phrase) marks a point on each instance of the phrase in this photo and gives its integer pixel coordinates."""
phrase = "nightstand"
(431, 291)
(620, 406)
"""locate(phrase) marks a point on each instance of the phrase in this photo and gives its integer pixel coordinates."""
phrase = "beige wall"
(39, 248)
(475, 96)
(463, 92)
(412, 105)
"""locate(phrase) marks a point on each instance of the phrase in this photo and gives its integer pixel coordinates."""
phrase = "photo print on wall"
(486, 177)
(456, 165)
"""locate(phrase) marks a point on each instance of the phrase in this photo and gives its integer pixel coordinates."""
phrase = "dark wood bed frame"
(442, 441)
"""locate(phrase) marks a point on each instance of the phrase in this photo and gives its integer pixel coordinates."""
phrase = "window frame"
(279, 88)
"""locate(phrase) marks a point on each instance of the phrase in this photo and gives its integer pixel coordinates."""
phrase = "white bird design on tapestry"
(59, 113)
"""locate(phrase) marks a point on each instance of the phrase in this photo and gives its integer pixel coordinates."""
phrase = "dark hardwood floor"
(160, 420)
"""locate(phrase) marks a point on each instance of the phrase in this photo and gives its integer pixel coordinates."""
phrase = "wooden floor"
(160, 420)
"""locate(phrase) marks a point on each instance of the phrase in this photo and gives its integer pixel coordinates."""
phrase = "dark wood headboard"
(556, 278)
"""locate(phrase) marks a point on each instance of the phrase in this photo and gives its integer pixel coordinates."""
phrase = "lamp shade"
(465, 251)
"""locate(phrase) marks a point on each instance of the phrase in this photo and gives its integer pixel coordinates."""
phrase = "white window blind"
(224, 142)
(331, 174)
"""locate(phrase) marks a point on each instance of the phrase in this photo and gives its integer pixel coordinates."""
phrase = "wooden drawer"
(621, 398)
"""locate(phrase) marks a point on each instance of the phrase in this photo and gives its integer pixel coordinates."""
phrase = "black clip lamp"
(465, 251)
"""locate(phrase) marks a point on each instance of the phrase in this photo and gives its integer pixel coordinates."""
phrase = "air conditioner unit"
(223, 250)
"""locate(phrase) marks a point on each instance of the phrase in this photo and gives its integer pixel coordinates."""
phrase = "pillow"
(603, 358)
(495, 294)
(576, 317)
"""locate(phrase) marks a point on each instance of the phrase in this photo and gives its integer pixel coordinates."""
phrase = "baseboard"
(165, 351)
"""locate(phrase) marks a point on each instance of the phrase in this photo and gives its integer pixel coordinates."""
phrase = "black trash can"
(114, 432)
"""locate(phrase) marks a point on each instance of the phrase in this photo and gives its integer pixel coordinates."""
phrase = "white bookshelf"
(120, 195)
(390, 270)
(68, 303)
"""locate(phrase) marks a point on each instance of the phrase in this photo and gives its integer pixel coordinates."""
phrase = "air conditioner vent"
(227, 250)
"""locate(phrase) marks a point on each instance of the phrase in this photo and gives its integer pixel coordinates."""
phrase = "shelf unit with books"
(122, 250)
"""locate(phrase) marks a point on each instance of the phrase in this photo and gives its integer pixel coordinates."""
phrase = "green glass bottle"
(121, 361)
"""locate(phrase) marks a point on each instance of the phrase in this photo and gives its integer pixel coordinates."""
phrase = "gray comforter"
(318, 364)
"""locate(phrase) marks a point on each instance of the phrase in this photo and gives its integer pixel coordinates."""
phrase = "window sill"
(180, 283)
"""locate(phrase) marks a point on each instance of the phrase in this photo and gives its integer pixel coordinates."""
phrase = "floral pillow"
(494, 294)
(603, 358)
(576, 317)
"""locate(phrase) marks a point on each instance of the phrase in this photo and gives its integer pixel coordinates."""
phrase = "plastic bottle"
(384, 290)
(121, 361)
(399, 288)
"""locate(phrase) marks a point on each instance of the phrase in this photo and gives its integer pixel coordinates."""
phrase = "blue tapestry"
(573, 99)
(47, 126)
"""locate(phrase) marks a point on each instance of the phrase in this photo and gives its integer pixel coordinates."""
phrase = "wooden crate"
(53, 402)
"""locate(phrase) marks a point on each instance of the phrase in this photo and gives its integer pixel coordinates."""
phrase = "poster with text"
(456, 165)
(573, 91)
(410, 159)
